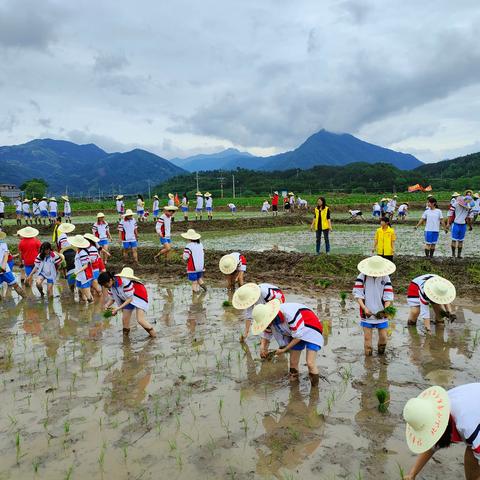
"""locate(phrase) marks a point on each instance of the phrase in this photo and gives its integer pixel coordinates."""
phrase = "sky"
(183, 77)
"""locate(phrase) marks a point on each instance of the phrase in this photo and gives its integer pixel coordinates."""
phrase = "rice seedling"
(35, 464)
(324, 283)
(66, 427)
(390, 311)
(295, 434)
(18, 448)
(101, 457)
(343, 296)
(226, 303)
(476, 339)
(401, 471)
(172, 444)
(244, 422)
(68, 475)
(383, 399)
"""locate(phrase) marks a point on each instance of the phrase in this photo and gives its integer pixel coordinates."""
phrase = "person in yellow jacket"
(384, 243)
(322, 224)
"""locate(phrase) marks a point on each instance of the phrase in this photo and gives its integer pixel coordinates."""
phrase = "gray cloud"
(45, 122)
(109, 62)
(8, 122)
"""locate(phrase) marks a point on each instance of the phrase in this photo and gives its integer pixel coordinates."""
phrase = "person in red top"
(275, 204)
(28, 249)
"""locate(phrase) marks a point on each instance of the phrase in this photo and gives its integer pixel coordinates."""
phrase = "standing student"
(234, 266)
(26, 211)
(433, 290)
(209, 205)
(128, 234)
(43, 206)
(384, 242)
(55, 234)
(286, 204)
(102, 231)
(199, 206)
(275, 199)
(140, 208)
(184, 206)
(374, 292)
(67, 209)
(457, 218)
(2, 211)
(62, 238)
(28, 248)
(155, 207)
(163, 228)
(6, 274)
(232, 207)
(52, 209)
(295, 327)
(46, 268)
(391, 206)
(376, 210)
(291, 201)
(119, 206)
(251, 294)
(322, 224)
(129, 295)
(18, 211)
(35, 211)
(433, 219)
(194, 255)
(83, 267)
(437, 418)
(171, 200)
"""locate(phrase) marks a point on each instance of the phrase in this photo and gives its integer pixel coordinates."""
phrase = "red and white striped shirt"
(128, 229)
(164, 225)
(94, 257)
(124, 288)
(62, 241)
(241, 261)
(48, 267)
(101, 230)
(194, 255)
(374, 291)
(270, 292)
(82, 258)
(416, 295)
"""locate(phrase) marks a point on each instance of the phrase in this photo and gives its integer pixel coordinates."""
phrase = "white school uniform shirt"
(241, 261)
(464, 410)
(101, 230)
(67, 209)
(43, 206)
(82, 258)
(184, 202)
(124, 288)
(26, 208)
(53, 207)
(120, 206)
(127, 229)
(171, 202)
(18, 206)
(391, 206)
(265, 207)
(209, 202)
(140, 205)
(62, 241)
(199, 202)
(194, 255)
(432, 219)
(354, 213)
(231, 206)
(374, 291)
(35, 209)
(461, 213)
(164, 226)
(476, 207)
(4, 251)
(93, 253)
(292, 200)
(422, 300)
(402, 208)
(2, 207)
(377, 208)
(156, 204)
(47, 268)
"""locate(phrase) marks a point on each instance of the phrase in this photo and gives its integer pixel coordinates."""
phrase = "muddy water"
(79, 401)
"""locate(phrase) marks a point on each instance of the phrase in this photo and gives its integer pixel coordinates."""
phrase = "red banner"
(419, 188)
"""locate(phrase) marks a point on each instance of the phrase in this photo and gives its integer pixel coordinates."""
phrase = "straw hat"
(78, 241)
(376, 266)
(394, 196)
(455, 194)
(191, 234)
(468, 192)
(291, 193)
(66, 227)
(119, 197)
(52, 199)
(427, 418)
(34, 199)
(44, 198)
(3, 235)
(198, 194)
(275, 192)
(476, 195)
(440, 290)
(65, 197)
(100, 215)
(1, 199)
(170, 208)
(170, 195)
(429, 195)
(228, 264)
(90, 236)
(263, 315)
(28, 232)
(127, 272)
(26, 200)
(207, 194)
(155, 196)
(383, 199)
(246, 296)
(128, 213)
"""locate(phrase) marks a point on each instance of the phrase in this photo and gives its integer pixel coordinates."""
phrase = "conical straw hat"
(191, 234)
(440, 290)
(228, 264)
(376, 266)
(263, 315)
(246, 296)
(28, 232)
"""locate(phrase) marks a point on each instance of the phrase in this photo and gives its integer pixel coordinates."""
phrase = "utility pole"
(233, 185)
(197, 181)
(222, 179)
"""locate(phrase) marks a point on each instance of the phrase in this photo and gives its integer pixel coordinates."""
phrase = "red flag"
(415, 188)
(428, 189)
(177, 200)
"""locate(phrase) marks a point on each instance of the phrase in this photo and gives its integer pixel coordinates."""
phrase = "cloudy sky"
(181, 77)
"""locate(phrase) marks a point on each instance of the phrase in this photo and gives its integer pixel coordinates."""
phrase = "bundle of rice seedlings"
(383, 400)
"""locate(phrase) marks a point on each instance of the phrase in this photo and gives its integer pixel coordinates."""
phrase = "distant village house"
(9, 192)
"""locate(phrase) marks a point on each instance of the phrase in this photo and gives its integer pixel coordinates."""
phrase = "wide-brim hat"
(155, 196)
(90, 236)
(170, 208)
(440, 290)
(28, 232)
(198, 194)
(119, 197)
(26, 200)
(291, 193)
(468, 191)
(128, 272)
(395, 196)
(170, 195)
(100, 215)
(476, 195)
(128, 213)
(376, 266)
(246, 296)
(34, 199)
(65, 197)
(455, 194)
(383, 199)
(427, 418)
(227, 264)
(429, 195)
(191, 234)
(52, 199)
(3, 235)
(263, 315)
(275, 192)
(207, 194)
(66, 227)
(78, 241)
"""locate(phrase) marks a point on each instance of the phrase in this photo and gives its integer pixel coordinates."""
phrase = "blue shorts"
(11, 264)
(140, 213)
(401, 214)
(431, 238)
(163, 240)
(96, 274)
(458, 231)
(28, 269)
(199, 210)
(376, 214)
(156, 212)
(184, 209)
(8, 278)
(44, 214)
(103, 242)
(309, 346)
(194, 276)
(67, 215)
(129, 307)
(18, 212)
(53, 214)
(127, 245)
(49, 280)
(374, 325)
(87, 284)
(234, 209)
(27, 215)
(71, 279)
(209, 209)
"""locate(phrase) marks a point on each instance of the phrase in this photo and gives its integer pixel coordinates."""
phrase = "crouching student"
(374, 292)
(6, 274)
(194, 255)
(251, 294)
(129, 295)
(83, 267)
(437, 418)
(234, 266)
(433, 290)
(96, 260)
(295, 327)
(46, 268)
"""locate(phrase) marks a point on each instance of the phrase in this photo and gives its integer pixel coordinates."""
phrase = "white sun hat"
(52, 199)
(78, 241)
(65, 197)
(376, 266)
(119, 197)
(26, 200)
(170, 195)
(198, 194)
(246, 296)
(170, 208)
(66, 227)
(28, 232)
(191, 234)
(263, 315)
(100, 215)
(128, 213)
(227, 264)
(127, 272)
(155, 196)
(427, 418)
(455, 194)
(440, 290)
(207, 194)
(91, 236)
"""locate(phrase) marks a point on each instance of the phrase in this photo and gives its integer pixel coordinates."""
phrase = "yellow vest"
(384, 240)
(323, 215)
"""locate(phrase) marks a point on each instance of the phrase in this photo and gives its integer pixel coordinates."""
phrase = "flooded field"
(80, 401)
